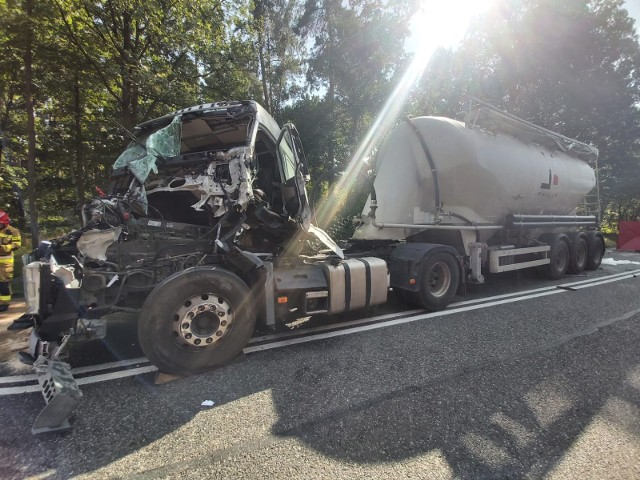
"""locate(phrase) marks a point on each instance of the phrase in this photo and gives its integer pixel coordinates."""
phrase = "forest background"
(73, 71)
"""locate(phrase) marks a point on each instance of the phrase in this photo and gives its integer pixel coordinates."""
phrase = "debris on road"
(611, 261)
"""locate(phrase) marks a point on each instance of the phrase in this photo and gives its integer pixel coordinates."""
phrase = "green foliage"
(326, 65)
(572, 66)
(279, 51)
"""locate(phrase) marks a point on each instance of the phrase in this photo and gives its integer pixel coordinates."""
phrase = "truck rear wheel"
(559, 256)
(596, 250)
(579, 254)
(196, 320)
(439, 278)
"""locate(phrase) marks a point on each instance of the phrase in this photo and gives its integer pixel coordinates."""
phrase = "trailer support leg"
(475, 260)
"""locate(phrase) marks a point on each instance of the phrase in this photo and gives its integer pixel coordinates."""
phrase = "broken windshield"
(162, 144)
(187, 134)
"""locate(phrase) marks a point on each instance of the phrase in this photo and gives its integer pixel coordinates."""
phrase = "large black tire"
(438, 281)
(196, 320)
(559, 256)
(579, 254)
(596, 251)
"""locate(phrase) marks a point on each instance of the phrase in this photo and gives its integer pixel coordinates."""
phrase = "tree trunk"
(263, 70)
(77, 168)
(128, 103)
(31, 124)
(332, 87)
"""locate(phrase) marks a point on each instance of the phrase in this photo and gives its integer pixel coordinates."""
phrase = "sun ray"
(436, 23)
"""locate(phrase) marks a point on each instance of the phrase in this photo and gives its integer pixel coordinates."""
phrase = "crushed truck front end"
(215, 187)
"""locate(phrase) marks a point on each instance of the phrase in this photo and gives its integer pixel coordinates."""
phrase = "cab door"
(292, 173)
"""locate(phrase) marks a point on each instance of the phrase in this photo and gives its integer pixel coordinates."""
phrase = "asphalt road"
(545, 387)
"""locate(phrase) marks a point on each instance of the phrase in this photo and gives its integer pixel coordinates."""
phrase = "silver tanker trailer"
(495, 193)
(202, 234)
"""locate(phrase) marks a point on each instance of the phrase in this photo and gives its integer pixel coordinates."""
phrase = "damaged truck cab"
(201, 232)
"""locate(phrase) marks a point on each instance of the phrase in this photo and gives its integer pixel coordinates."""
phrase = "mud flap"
(61, 393)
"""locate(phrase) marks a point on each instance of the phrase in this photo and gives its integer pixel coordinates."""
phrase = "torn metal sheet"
(326, 240)
(225, 180)
(93, 244)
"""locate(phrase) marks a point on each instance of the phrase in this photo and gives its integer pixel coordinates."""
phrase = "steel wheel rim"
(561, 259)
(439, 279)
(581, 257)
(202, 321)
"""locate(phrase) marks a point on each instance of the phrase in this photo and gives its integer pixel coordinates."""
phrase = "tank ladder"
(591, 205)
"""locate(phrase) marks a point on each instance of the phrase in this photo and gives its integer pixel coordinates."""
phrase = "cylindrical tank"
(483, 176)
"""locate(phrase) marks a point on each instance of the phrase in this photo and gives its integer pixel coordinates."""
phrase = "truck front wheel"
(196, 320)
(439, 278)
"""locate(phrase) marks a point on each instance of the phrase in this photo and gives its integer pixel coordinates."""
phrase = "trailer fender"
(406, 260)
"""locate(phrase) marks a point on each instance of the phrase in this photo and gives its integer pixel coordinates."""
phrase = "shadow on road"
(501, 420)
(488, 415)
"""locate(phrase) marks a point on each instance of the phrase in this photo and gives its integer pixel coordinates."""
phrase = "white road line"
(459, 307)
(115, 375)
(321, 328)
(341, 325)
(18, 378)
(79, 370)
(107, 366)
(542, 289)
(604, 281)
(83, 381)
(416, 318)
(19, 390)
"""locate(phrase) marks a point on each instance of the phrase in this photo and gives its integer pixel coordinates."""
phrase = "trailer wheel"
(196, 320)
(596, 250)
(559, 256)
(439, 278)
(579, 255)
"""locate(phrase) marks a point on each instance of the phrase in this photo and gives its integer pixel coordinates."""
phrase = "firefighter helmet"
(4, 218)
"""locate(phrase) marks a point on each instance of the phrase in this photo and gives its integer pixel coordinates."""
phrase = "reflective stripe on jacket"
(10, 240)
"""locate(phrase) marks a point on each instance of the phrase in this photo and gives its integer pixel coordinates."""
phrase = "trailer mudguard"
(405, 262)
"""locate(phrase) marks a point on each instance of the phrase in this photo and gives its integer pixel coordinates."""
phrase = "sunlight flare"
(435, 24)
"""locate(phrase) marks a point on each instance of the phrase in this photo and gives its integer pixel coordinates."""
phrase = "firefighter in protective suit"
(9, 241)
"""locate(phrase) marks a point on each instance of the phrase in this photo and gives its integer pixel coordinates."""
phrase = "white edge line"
(150, 368)
(321, 328)
(107, 366)
(87, 369)
(341, 325)
(542, 289)
(416, 318)
(18, 378)
(18, 390)
(115, 375)
(604, 281)
(83, 381)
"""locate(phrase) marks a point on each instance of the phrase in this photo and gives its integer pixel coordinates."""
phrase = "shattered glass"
(165, 143)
